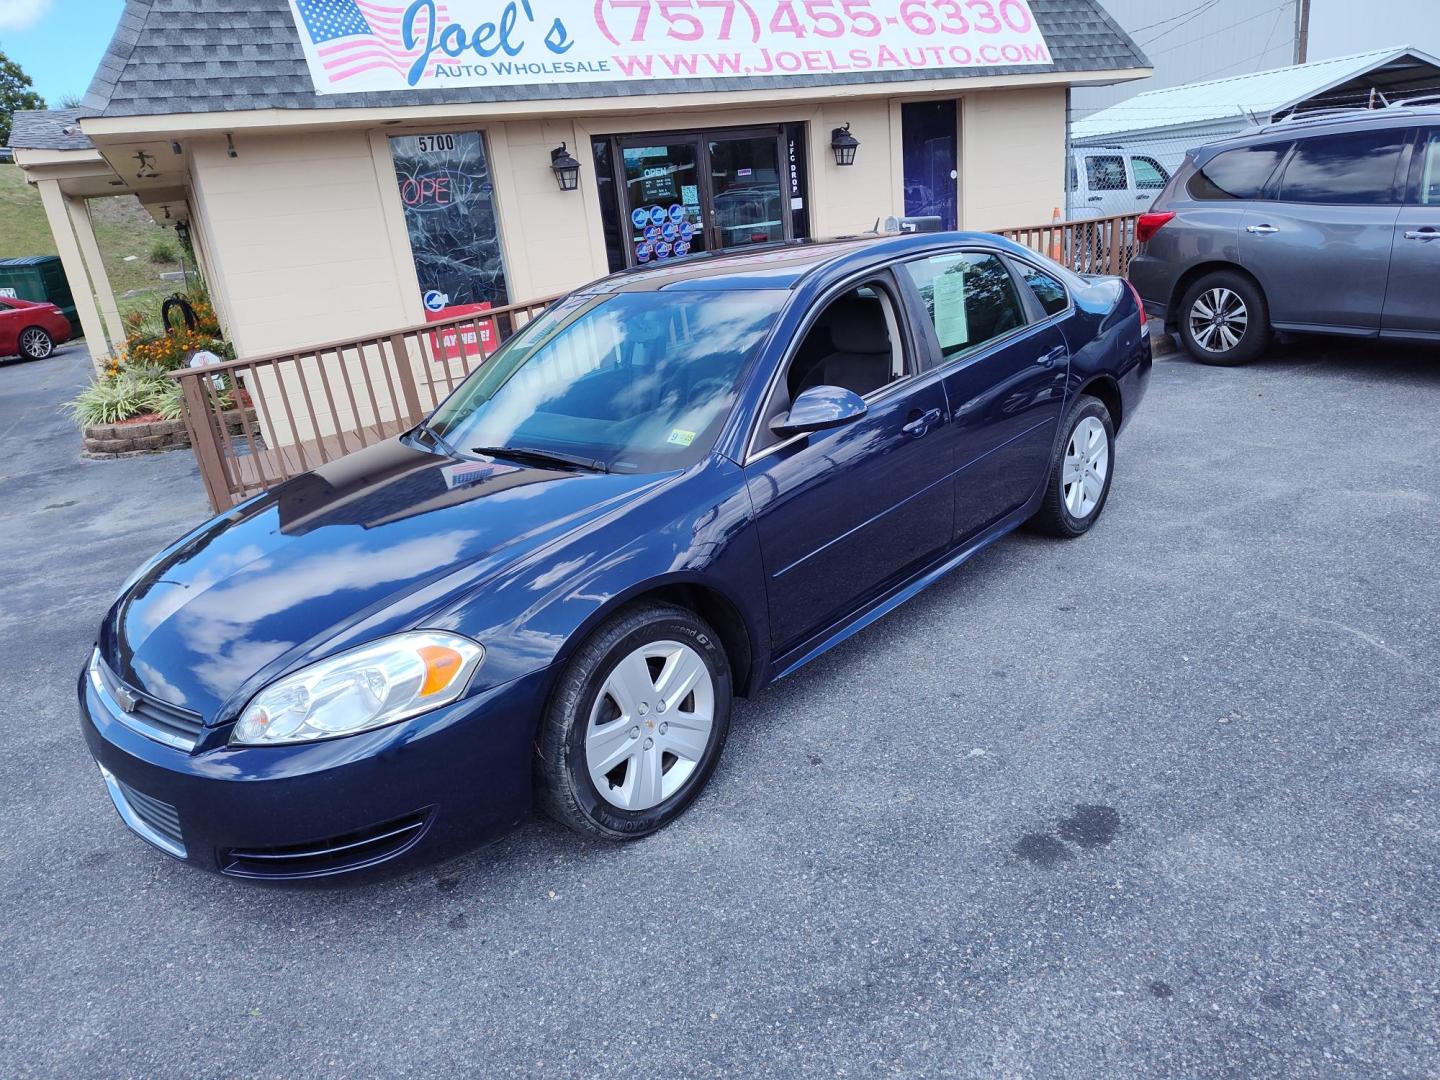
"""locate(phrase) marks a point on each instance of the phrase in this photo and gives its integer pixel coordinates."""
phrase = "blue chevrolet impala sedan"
(676, 486)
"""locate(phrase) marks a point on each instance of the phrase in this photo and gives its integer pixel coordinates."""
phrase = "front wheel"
(635, 725)
(35, 343)
(1079, 481)
(1224, 320)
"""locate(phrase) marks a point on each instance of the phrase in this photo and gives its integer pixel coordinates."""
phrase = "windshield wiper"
(424, 428)
(543, 457)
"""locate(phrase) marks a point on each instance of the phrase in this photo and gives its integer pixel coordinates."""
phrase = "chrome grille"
(149, 716)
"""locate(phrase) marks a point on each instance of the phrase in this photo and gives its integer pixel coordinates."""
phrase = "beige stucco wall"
(1012, 150)
(297, 234)
(305, 232)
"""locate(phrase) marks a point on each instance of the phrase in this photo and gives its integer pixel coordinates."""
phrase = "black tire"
(563, 786)
(36, 343)
(1054, 518)
(1257, 333)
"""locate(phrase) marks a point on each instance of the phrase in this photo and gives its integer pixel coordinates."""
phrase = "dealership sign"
(353, 46)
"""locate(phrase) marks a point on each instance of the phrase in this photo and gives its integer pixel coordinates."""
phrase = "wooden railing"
(1092, 246)
(260, 420)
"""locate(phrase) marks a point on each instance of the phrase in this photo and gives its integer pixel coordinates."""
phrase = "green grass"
(122, 227)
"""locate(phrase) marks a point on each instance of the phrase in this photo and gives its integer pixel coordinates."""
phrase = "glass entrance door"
(662, 181)
(745, 181)
(701, 191)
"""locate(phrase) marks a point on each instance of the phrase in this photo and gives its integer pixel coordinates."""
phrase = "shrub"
(172, 350)
(109, 400)
(124, 393)
(163, 251)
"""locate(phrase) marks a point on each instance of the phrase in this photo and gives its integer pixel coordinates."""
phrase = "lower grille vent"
(146, 815)
(333, 856)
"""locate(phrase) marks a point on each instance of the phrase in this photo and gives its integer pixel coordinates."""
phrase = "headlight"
(368, 687)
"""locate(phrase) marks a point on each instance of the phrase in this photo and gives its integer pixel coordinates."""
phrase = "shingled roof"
(199, 56)
(47, 129)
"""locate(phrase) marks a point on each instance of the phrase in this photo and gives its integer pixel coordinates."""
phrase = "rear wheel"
(35, 343)
(1079, 481)
(1224, 320)
(636, 724)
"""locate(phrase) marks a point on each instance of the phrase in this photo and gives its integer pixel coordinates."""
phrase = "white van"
(1107, 180)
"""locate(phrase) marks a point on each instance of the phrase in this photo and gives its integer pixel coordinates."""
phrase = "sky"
(58, 42)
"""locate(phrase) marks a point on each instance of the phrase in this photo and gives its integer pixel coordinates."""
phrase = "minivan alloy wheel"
(1218, 319)
(650, 725)
(1087, 463)
(36, 344)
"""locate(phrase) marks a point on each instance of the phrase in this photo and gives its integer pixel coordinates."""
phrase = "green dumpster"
(38, 277)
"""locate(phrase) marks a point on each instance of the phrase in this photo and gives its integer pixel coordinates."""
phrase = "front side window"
(1150, 175)
(1237, 174)
(638, 382)
(854, 343)
(970, 299)
(1105, 173)
(1356, 169)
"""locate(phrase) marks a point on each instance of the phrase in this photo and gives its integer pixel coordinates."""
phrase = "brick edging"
(104, 441)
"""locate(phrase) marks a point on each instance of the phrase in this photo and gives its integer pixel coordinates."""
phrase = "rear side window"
(1430, 170)
(970, 299)
(1356, 169)
(1105, 173)
(1150, 175)
(1237, 174)
(1047, 290)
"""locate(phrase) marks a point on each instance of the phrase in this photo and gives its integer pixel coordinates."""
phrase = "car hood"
(383, 537)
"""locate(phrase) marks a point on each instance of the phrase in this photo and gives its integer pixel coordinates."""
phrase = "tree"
(15, 93)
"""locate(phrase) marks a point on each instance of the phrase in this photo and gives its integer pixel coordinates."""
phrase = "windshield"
(636, 382)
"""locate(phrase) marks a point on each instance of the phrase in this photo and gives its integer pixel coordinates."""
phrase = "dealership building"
(346, 168)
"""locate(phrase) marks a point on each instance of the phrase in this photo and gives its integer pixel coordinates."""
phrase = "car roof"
(780, 265)
(1330, 121)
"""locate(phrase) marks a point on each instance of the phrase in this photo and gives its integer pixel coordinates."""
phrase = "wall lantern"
(844, 144)
(565, 168)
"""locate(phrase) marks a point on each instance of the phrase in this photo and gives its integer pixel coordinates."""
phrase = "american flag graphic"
(353, 36)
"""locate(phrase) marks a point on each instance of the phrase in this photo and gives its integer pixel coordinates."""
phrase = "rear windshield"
(1237, 174)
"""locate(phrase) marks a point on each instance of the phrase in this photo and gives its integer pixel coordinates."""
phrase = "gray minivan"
(1324, 223)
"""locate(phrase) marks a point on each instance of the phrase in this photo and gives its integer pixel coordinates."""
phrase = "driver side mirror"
(819, 408)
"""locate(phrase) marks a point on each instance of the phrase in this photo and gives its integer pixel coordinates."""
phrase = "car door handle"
(920, 422)
(1261, 230)
(1094, 198)
(1429, 232)
(1051, 358)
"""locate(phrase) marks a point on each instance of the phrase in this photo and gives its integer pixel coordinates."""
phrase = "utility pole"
(1302, 30)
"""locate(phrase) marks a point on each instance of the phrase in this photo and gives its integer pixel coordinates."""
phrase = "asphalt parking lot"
(1161, 801)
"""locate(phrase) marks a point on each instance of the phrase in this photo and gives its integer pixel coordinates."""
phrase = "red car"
(31, 329)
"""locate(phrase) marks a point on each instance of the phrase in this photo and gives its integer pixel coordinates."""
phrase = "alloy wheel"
(1087, 463)
(650, 725)
(1218, 320)
(36, 344)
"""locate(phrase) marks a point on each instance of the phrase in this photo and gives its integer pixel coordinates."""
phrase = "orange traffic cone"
(1055, 252)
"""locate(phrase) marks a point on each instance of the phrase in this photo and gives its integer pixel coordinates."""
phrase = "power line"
(1191, 41)
(1172, 18)
(1178, 26)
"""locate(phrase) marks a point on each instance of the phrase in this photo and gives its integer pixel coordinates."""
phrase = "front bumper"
(448, 779)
